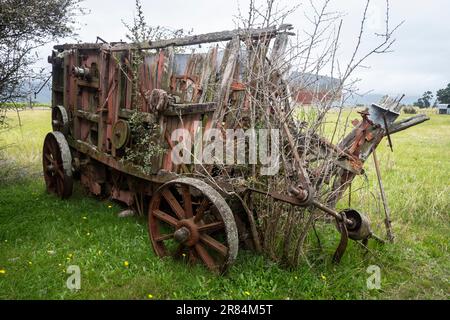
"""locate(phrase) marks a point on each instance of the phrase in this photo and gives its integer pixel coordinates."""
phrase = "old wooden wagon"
(116, 105)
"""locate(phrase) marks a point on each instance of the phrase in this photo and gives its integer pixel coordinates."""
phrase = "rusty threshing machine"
(193, 210)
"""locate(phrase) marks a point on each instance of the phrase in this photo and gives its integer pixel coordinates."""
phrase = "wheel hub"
(182, 234)
(187, 232)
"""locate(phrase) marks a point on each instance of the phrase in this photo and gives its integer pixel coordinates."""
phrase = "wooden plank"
(105, 89)
(116, 99)
(227, 35)
(167, 162)
(169, 54)
(73, 93)
(94, 84)
(126, 113)
(208, 75)
(407, 123)
(126, 167)
(189, 108)
(87, 115)
(227, 78)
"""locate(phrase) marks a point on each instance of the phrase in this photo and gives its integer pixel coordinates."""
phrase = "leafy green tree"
(425, 101)
(26, 25)
(443, 95)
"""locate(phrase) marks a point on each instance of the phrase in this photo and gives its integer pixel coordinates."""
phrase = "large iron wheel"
(57, 165)
(60, 119)
(190, 220)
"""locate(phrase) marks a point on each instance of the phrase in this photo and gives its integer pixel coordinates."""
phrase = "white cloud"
(420, 61)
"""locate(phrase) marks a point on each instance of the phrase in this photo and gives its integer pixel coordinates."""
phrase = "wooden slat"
(189, 108)
(214, 244)
(168, 68)
(87, 115)
(227, 78)
(187, 201)
(165, 217)
(205, 256)
(211, 226)
(174, 204)
(208, 75)
(164, 237)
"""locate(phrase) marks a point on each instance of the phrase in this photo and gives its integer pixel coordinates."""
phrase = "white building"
(443, 108)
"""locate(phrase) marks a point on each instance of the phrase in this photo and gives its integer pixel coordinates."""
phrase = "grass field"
(40, 236)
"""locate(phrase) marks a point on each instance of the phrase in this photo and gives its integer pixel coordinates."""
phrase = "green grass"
(41, 235)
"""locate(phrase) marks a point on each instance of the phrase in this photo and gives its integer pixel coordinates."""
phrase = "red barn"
(308, 88)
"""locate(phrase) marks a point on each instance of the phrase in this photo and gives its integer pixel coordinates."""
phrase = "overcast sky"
(420, 61)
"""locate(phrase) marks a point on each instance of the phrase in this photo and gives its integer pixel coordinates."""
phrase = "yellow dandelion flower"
(30, 263)
(126, 263)
(150, 296)
(323, 277)
(70, 255)
(2, 271)
(109, 206)
(246, 293)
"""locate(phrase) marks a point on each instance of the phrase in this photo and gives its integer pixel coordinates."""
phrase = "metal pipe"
(387, 220)
(332, 212)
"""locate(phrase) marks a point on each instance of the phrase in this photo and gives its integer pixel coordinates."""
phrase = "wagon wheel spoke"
(59, 186)
(206, 257)
(211, 226)
(164, 237)
(201, 210)
(47, 156)
(50, 182)
(60, 172)
(186, 204)
(54, 147)
(187, 201)
(165, 217)
(192, 256)
(214, 244)
(173, 203)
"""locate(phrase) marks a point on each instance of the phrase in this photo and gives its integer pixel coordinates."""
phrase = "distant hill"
(375, 97)
(45, 96)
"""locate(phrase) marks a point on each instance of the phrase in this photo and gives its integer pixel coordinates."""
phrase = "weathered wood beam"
(118, 164)
(189, 108)
(86, 115)
(208, 38)
(407, 123)
(127, 113)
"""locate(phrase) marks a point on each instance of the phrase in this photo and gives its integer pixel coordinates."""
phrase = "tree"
(443, 95)
(26, 25)
(425, 101)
